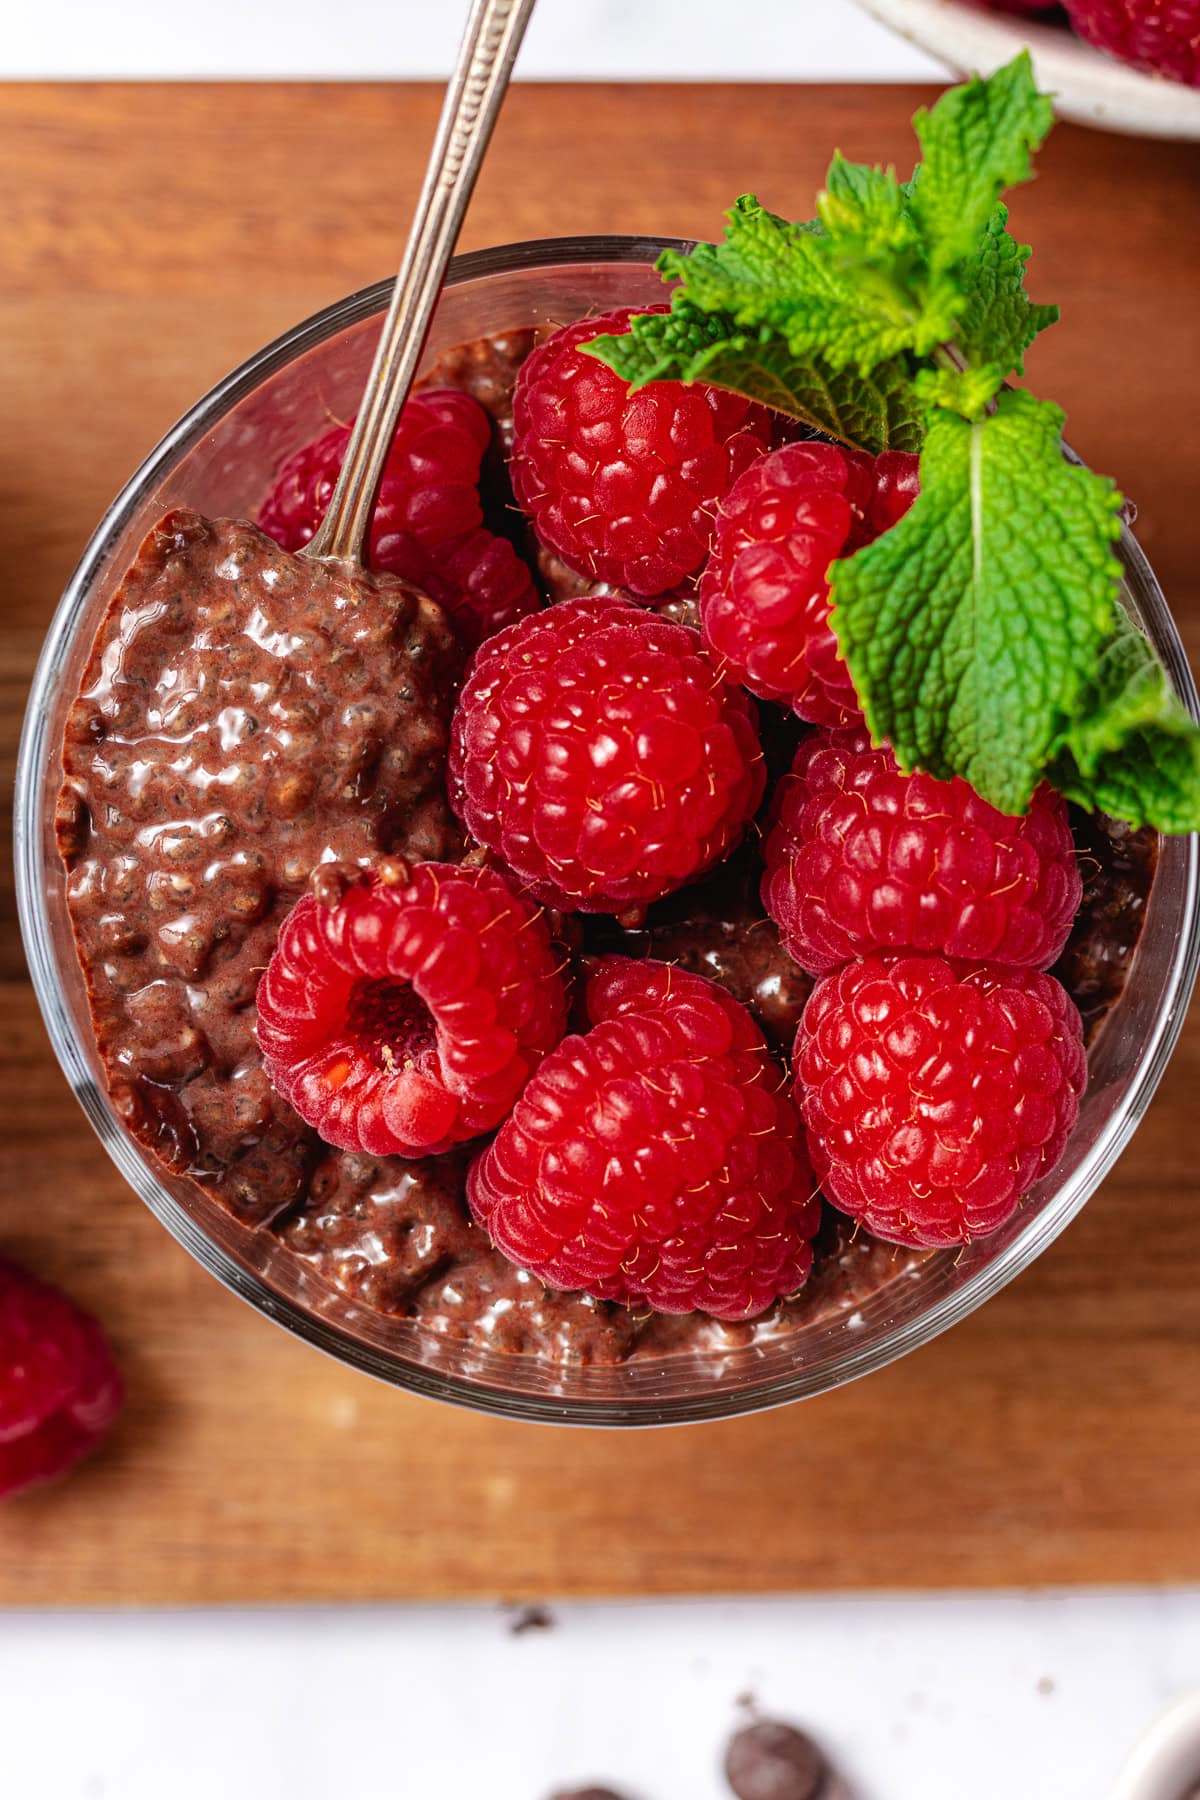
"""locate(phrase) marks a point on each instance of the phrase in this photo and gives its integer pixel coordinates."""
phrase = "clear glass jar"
(220, 458)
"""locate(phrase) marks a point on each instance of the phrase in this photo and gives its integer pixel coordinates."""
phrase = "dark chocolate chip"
(773, 1761)
(532, 1618)
(587, 1793)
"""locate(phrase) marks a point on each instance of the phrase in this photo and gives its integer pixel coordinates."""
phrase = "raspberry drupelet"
(935, 1093)
(602, 756)
(428, 521)
(861, 857)
(624, 485)
(60, 1389)
(408, 1017)
(764, 593)
(656, 1157)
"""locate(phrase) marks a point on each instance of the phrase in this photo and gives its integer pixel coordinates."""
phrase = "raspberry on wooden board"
(60, 1389)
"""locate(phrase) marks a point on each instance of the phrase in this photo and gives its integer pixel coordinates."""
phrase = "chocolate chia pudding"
(234, 731)
(239, 728)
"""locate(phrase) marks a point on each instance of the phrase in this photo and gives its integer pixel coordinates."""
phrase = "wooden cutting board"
(152, 237)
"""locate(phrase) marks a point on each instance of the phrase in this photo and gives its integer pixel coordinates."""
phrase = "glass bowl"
(219, 458)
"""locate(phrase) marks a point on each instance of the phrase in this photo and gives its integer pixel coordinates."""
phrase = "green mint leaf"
(1133, 751)
(967, 391)
(871, 412)
(866, 207)
(999, 321)
(972, 626)
(975, 143)
(846, 296)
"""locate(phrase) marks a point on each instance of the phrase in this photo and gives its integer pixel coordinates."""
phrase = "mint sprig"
(975, 143)
(1132, 750)
(983, 632)
(877, 411)
(969, 628)
(998, 322)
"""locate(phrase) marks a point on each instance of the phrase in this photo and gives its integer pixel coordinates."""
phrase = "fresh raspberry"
(881, 492)
(1162, 35)
(478, 578)
(655, 1158)
(862, 858)
(60, 1389)
(599, 753)
(624, 485)
(764, 595)
(427, 525)
(935, 1092)
(430, 486)
(408, 1017)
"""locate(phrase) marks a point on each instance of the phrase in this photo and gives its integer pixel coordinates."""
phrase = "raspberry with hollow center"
(624, 485)
(60, 1389)
(934, 1093)
(407, 1018)
(1162, 35)
(602, 756)
(655, 1157)
(764, 593)
(861, 857)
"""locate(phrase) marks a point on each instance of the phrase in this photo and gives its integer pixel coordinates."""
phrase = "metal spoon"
(473, 100)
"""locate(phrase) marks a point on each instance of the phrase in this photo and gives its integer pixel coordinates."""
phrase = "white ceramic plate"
(1165, 1765)
(1089, 87)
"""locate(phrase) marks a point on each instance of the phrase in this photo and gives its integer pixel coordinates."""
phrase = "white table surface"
(685, 40)
(968, 1697)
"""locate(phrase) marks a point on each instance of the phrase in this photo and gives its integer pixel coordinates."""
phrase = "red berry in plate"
(935, 1093)
(60, 1389)
(860, 858)
(624, 485)
(655, 1158)
(478, 578)
(430, 486)
(1160, 35)
(408, 1017)
(764, 594)
(600, 754)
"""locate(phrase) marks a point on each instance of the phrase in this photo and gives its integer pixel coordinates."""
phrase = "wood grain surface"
(152, 237)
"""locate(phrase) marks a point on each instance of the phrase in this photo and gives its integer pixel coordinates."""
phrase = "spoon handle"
(473, 100)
